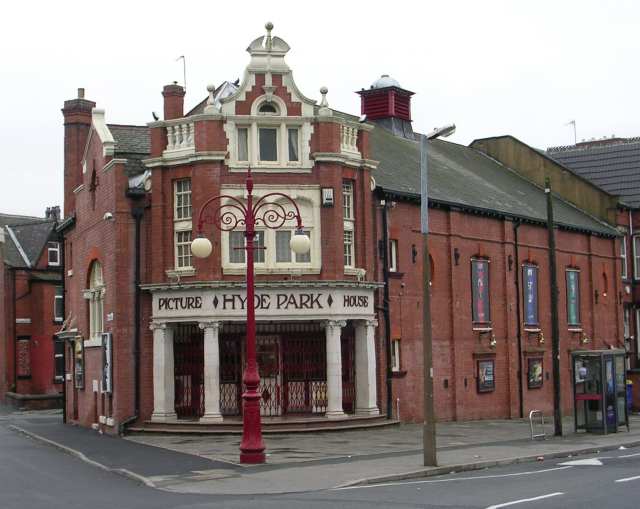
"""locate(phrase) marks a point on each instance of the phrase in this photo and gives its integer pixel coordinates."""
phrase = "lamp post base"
(252, 458)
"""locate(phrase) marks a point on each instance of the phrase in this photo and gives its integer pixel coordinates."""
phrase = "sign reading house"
(279, 302)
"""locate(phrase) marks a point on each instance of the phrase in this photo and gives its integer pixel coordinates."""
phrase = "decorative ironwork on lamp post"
(230, 213)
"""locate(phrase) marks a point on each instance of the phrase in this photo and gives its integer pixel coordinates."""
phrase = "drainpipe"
(516, 225)
(137, 213)
(64, 345)
(385, 307)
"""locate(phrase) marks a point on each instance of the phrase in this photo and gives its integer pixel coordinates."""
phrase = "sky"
(491, 67)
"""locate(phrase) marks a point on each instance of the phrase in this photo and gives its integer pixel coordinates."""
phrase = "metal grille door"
(305, 373)
(348, 370)
(188, 352)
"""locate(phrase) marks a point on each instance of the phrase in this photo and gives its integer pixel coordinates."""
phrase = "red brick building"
(31, 311)
(158, 335)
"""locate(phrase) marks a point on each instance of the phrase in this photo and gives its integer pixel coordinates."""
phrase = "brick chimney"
(77, 123)
(388, 104)
(173, 101)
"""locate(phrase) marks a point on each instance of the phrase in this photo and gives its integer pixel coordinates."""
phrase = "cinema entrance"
(308, 367)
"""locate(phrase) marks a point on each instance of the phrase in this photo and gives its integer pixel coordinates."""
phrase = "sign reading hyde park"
(268, 302)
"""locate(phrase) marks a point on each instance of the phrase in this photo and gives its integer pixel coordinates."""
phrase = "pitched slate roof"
(464, 177)
(131, 139)
(133, 142)
(31, 233)
(613, 165)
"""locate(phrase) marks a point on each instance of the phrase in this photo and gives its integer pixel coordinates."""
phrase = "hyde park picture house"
(154, 336)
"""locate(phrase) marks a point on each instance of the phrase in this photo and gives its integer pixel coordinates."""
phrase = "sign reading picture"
(78, 363)
(534, 373)
(486, 375)
(107, 360)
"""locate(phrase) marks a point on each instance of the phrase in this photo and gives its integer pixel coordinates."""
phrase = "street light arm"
(272, 218)
(228, 219)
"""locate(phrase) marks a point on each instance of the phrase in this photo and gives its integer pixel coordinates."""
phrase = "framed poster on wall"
(78, 363)
(534, 373)
(107, 360)
(486, 375)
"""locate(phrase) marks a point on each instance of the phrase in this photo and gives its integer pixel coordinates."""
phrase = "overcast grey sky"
(492, 67)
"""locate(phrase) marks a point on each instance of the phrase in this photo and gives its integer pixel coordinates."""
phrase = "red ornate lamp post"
(228, 214)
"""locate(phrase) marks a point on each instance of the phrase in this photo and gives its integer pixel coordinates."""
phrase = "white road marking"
(525, 500)
(629, 455)
(628, 479)
(452, 480)
(591, 462)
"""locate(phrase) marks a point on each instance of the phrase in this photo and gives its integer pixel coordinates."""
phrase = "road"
(37, 476)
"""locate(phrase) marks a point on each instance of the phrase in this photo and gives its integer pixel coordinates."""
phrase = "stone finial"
(211, 104)
(269, 42)
(324, 111)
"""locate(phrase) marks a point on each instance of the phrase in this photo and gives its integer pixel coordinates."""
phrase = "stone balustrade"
(349, 139)
(180, 137)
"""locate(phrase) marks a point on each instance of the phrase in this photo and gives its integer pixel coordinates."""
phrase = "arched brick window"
(95, 296)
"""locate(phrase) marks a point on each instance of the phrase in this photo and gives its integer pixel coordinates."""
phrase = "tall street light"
(429, 424)
(230, 213)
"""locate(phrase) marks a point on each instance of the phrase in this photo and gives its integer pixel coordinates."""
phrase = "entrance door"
(269, 365)
(305, 373)
(188, 353)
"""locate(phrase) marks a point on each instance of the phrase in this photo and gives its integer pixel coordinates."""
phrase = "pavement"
(313, 461)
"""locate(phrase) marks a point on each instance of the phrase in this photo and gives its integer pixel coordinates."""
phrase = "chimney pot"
(81, 93)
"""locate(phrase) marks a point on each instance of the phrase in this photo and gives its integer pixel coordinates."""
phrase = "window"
(53, 254)
(275, 255)
(530, 295)
(237, 243)
(626, 322)
(58, 305)
(182, 199)
(623, 257)
(393, 261)
(243, 144)
(283, 251)
(480, 291)
(58, 361)
(182, 224)
(183, 249)
(268, 108)
(268, 138)
(636, 256)
(573, 297)
(236, 247)
(95, 295)
(293, 144)
(347, 213)
(395, 355)
(348, 248)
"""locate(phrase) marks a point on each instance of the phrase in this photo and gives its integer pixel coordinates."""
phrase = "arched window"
(268, 108)
(95, 296)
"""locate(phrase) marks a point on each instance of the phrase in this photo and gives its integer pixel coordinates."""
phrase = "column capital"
(370, 323)
(210, 324)
(330, 324)
(153, 325)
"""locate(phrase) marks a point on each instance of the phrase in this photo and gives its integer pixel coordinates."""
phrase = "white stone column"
(333, 330)
(211, 372)
(366, 394)
(163, 373)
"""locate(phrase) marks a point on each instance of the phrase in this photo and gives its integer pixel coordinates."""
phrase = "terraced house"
(156, 337)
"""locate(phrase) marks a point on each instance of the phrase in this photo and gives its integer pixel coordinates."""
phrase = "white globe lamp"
(201, 247)
(300, 243)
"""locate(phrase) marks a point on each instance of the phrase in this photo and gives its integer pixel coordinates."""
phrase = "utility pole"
(555, 328)
(429, 426)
